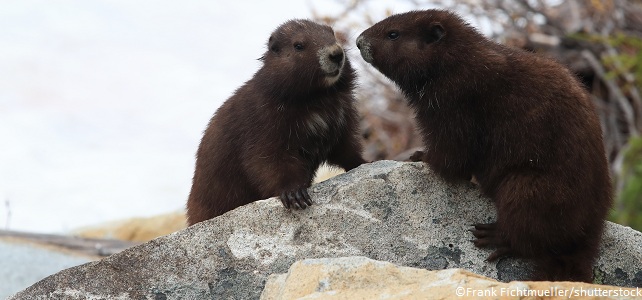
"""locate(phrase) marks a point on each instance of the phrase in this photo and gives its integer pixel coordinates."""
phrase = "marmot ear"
(435, 32)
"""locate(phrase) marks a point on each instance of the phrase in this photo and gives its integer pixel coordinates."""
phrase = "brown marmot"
(521, 124)
(271, 135)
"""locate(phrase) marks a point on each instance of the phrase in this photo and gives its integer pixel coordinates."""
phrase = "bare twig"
(615, 90)
(7, 205)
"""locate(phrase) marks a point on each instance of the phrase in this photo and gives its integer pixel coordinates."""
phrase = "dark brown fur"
(269, 138)
(521, 124)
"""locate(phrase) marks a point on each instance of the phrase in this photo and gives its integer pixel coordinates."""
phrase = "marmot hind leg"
(487, 236)
(527, 226)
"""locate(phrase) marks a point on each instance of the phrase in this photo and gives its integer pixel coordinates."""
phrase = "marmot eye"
(298, 46)
(393, 35)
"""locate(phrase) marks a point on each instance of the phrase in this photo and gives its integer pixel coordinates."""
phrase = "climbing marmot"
(271, 135)
(521, 124)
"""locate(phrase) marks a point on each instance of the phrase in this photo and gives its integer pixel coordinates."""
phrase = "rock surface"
(388, 211)
(363, 278)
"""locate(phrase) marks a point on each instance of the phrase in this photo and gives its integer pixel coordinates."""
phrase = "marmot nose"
(336, 56)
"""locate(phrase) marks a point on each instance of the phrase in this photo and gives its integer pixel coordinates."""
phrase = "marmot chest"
(317, 132)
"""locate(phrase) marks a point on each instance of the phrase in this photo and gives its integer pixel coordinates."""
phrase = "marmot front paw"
(296, 199)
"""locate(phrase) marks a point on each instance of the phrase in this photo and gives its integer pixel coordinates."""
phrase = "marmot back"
(269, 138)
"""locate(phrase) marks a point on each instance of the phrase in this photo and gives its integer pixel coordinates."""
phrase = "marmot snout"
(331, 61)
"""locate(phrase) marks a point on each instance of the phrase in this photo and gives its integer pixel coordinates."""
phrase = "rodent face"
(307, 51)
(404, 44)
(331, 59)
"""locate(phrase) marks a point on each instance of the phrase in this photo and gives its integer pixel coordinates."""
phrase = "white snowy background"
(103, 103)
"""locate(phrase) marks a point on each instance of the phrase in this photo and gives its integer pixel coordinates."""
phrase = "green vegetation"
(628, 204)
(627, 61)
(622, 62)
(626, 64)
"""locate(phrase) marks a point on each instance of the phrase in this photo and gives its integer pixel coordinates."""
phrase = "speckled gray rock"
(389, 211)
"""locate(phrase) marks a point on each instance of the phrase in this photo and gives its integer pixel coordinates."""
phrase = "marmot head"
(305, 54)
(410, 47)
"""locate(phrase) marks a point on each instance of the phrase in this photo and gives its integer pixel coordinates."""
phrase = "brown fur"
(521, 124)
(271, 135)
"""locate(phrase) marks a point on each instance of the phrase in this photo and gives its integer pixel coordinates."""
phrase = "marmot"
(271, 135)
(521, 124)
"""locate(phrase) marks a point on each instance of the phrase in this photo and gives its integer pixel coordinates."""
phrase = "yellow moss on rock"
(364, 278)
(137, 229)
